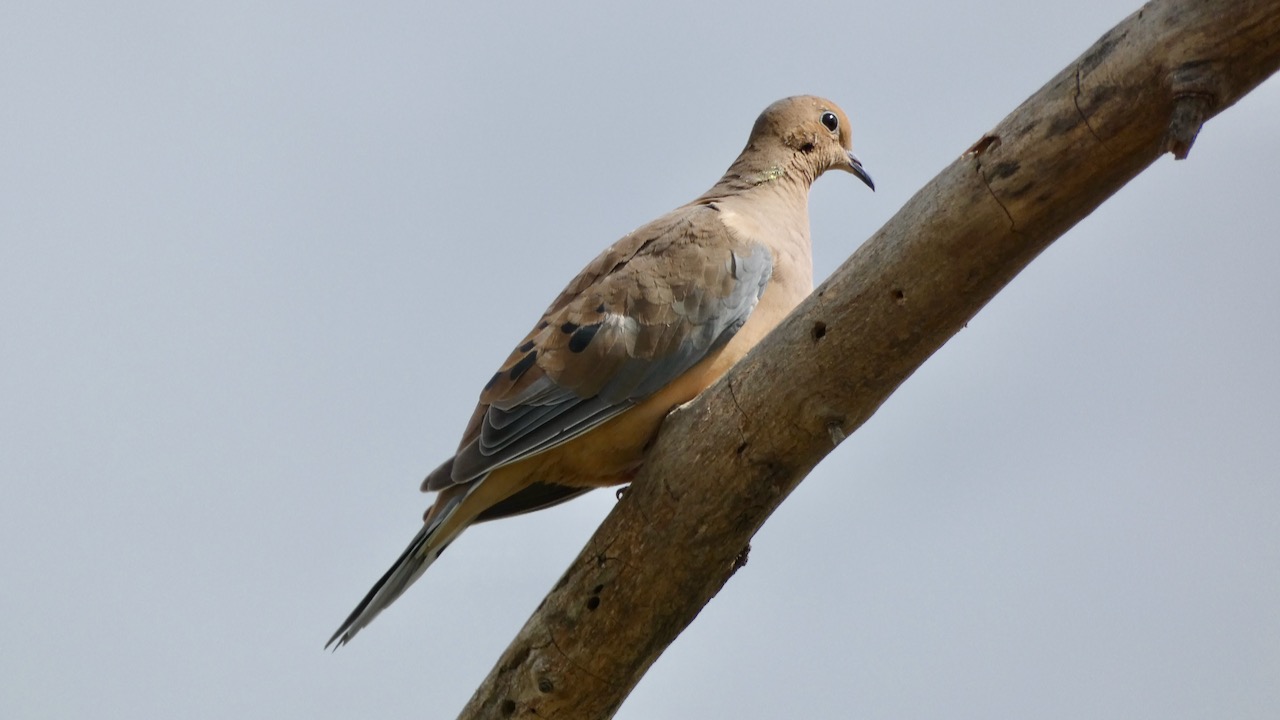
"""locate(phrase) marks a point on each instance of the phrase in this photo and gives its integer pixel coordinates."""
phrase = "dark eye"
(830, 121)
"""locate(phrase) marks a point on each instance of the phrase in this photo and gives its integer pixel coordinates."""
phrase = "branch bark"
(722, 464)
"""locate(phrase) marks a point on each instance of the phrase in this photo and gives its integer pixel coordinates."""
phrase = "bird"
(648, 324)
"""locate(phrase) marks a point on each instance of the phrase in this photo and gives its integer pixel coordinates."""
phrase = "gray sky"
(256, 262)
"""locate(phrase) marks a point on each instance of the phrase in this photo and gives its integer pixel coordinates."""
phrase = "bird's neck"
(769, 172)
(769, 204)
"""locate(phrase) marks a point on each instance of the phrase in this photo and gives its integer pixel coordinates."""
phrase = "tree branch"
(723, 463)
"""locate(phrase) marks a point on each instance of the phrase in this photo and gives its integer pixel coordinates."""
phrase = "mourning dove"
(651, 322)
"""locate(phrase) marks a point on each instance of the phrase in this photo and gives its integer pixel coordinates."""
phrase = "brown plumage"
(646, 326)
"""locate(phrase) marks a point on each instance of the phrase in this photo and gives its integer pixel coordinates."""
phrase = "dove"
(646, 326)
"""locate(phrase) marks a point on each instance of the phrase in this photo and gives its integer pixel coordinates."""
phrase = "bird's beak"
(855, 167)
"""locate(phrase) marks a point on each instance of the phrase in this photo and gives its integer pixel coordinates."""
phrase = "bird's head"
(814, 131)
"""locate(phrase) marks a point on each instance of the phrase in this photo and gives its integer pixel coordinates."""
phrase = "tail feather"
(423, 550)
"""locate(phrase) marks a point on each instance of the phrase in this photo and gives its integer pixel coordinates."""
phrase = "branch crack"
(733, 395)
(576, 665)
(987, 184)
(1075, 100)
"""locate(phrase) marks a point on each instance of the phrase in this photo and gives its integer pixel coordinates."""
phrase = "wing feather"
(643, 313)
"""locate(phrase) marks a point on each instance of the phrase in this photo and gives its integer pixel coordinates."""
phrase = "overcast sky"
(257, 259)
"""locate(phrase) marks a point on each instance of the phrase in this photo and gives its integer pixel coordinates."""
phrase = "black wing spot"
(523, 366)
(600, 308)
(568, 327)
(493, 380)
(527, 346)
(582, 337)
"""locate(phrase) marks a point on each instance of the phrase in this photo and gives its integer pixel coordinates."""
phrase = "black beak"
(855, 167)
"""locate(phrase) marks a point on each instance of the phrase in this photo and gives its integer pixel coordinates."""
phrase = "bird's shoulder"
(667, 249)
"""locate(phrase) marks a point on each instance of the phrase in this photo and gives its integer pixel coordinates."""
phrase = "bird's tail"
(423, 550)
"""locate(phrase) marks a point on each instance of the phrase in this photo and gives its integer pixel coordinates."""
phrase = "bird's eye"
(830, 121)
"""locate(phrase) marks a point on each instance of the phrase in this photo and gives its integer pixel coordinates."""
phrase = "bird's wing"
(640, 315)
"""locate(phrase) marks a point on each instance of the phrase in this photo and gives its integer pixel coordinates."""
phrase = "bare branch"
(725, 462)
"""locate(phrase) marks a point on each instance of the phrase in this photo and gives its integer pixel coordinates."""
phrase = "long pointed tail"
(423, 550)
